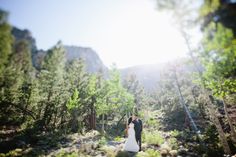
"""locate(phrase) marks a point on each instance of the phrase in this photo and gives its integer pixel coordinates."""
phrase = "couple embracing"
(134, 130)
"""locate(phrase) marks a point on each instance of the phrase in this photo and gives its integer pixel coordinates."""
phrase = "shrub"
(173, 143)
(153, 138)
(149, 153)
(118, 138)
(102, 141)
(175, 133)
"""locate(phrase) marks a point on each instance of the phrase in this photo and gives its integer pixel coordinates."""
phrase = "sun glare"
(138, 34)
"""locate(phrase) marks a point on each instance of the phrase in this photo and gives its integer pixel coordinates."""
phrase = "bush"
(149, 153)
(118, 139)
(102, 141)
(173, 143)
(175, 133)
(153, 153)
(153, 138)
(151, 122)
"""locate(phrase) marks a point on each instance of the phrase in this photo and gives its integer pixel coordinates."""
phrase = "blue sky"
(125, 32)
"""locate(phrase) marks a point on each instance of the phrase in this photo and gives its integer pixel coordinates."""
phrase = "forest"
(58, 108)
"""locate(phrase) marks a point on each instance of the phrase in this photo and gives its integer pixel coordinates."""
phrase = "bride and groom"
(135, 127)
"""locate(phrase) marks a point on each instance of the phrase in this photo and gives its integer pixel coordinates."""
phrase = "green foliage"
(16, 152)
(17, 85)
(113, 96)
(133, 86)
(153, 137)
(149, 153)
(153, 153)
(209, 6)
(173, 143)
(50, 82)
(73, 100)
(6, 41)
(219, 59)
(211, 138)
(102, 141)
(118, 139)
(174, 133)
(151, 122)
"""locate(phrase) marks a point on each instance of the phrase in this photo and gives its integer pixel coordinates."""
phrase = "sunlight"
(138, 34)
(124, 32)
(61, 95)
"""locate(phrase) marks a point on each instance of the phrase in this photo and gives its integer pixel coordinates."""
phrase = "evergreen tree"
(76, 80)
(141, 99)
(51, 87)
(113, 96)
(18, 76)
(6, 41)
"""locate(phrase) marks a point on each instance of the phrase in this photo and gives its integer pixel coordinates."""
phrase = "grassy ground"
(156, 142)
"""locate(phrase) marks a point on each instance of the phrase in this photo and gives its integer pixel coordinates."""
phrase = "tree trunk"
(75, 122)
(55, 119)
(210, 107)
(93, 117)
(103, 124)
(213, 114)
(232, 131)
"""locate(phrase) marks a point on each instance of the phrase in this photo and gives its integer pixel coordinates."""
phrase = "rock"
(144, 146)
(173, 153)
(95, 145)
(164, 152)
(166, 147)
(119, 147)
(86, 148)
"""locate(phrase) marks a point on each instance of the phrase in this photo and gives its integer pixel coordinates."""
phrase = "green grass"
(118, 139)
(149, 153)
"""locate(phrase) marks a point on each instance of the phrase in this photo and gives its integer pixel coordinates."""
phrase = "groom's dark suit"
(138, 127)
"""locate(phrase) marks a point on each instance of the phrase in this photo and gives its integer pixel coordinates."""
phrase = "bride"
(131, 143)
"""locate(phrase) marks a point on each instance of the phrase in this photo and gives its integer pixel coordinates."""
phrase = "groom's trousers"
(138, 139)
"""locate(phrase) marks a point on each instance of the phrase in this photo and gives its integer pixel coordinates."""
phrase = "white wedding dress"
(131, 143)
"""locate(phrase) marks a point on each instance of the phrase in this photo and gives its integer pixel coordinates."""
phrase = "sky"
(124, 32)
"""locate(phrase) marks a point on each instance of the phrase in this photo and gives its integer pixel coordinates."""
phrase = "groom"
(138, 127)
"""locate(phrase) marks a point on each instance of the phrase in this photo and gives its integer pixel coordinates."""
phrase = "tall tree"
(51, 87)
(77, 80)
(181, 12)
(18, 76)
(135, 88)
(113, 96)
(6, 41)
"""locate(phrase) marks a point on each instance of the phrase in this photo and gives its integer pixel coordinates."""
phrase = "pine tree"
(6, 41)
(135, 88)
(51, 87)
(77, 82)
(18, 77)
(113, 96)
